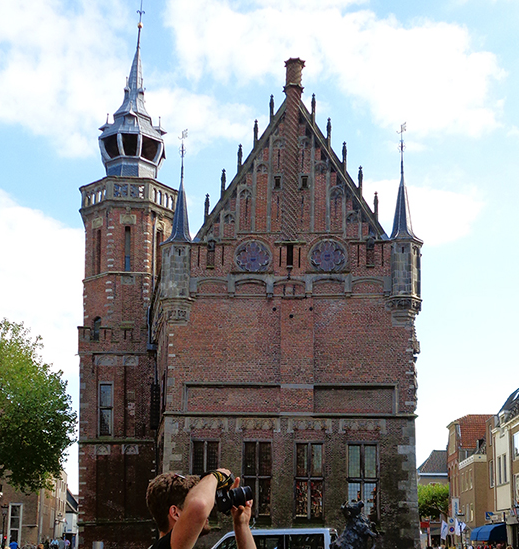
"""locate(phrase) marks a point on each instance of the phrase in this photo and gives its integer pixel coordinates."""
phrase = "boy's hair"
(164, 491)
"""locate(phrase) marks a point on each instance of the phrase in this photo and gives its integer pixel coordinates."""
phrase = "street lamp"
(5, 508)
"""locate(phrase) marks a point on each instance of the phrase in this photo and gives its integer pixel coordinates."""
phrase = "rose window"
(328, 255)
(253, 256)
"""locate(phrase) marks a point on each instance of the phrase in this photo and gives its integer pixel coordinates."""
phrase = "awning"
(489, 532)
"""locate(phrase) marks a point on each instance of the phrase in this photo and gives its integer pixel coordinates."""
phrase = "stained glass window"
(253, 256)
(309, 481)
(328, 255)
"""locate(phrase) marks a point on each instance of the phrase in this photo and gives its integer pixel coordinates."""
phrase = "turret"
(176, 250)
(131, 145)
(406, 248)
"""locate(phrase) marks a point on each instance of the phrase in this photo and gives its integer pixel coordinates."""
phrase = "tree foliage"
(37, 422)
(433, 500)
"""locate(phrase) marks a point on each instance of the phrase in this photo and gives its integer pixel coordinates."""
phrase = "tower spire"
(402, 227)
(132, 146)
(180, 227)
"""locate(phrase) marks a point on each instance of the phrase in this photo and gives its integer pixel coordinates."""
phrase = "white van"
(284, 538)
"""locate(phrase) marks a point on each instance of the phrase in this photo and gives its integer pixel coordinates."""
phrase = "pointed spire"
(402, 227)
(131, 145)
(329, 133)
(240, 156)
(271, 107)
(344, 157)
(180, 227)
(361, 179)
(256, 132)
(375, 205)
(313, 108)
(223, 181)
(206, 208)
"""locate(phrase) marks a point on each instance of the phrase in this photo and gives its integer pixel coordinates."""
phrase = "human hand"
(241, 515)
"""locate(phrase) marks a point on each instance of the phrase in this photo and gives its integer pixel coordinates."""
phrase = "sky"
(448, 69)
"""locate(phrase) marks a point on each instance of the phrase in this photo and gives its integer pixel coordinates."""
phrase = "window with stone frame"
(309, 480)
(105, 409)
(15, 522)
(363, 476)
(257, 473)
(204, 456)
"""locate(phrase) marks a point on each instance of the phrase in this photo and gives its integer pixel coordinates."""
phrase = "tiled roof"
(435, 463)
(472, 429)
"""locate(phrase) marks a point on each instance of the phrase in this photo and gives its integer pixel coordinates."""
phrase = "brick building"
(279, 342)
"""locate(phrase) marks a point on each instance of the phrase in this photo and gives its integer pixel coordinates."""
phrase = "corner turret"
(131, 146)
(405, 301)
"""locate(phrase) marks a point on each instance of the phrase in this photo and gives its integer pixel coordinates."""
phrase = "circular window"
(328, 255)
(253, 256)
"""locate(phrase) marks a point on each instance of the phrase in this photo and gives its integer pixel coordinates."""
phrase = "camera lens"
(239, 496)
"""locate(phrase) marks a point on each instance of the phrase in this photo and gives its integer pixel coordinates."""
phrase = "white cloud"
(427, 73)
(51, 60)
(40, 279)
(457, 210)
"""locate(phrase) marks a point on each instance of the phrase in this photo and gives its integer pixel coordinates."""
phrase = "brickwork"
(125, 219)
(288, 322)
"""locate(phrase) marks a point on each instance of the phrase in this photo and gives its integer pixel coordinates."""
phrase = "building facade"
(34, 517)
(278, 343)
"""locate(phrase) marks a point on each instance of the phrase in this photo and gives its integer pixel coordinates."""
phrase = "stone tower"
(126, 214)
(284, 335)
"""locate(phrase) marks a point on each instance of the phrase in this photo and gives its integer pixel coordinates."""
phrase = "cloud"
(458, 210)
(426, 73)
(40, 276)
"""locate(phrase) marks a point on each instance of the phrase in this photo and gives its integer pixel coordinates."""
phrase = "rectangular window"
(505, 476)
(127, 248)
(15, 522)
(516, 445)
(499, 472)
(257, 473)
(309, 481)
(97, 252)
(491, 473)
(204, 456)
(363, 476)
(105, 409)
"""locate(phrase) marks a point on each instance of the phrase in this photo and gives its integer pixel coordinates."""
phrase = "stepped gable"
(284, 151)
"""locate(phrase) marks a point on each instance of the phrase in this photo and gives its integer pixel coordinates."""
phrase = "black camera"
(225, 500)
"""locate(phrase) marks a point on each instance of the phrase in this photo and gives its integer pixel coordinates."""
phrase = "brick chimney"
(293, 90)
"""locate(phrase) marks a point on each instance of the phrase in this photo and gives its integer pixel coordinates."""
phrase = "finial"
(401, 146)
(313, 107)
(223, 181)
(344, 156)
(255, 132)
(206, 207)
(271, 105)
(107, 116)
(182, 152)
(329, 131)
(361, 177)
(240, 156)
(375, 205)
(141, 12)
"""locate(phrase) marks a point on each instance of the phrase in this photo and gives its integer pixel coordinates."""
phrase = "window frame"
(310, 480)
(363, 480)
(206, 466)
(258, 478)
(102, 407)
(20, 525)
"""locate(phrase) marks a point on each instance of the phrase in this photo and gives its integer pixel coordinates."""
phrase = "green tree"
(37, 422)
(433, 500)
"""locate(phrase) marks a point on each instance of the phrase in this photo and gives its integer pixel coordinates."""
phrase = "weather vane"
(182, 149)
(401, 145)
(141, 13)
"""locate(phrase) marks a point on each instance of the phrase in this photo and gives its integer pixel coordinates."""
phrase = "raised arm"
(241, 518)
(195, 512)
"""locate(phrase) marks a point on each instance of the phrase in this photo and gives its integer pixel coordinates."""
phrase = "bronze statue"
(358, 529)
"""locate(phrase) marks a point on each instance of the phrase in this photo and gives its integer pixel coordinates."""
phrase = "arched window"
(97, 328)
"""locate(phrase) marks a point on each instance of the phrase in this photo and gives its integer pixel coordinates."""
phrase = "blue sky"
(448, 68)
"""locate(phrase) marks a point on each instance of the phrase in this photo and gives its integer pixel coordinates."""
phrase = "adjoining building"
(34, 517)
(279, 342)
